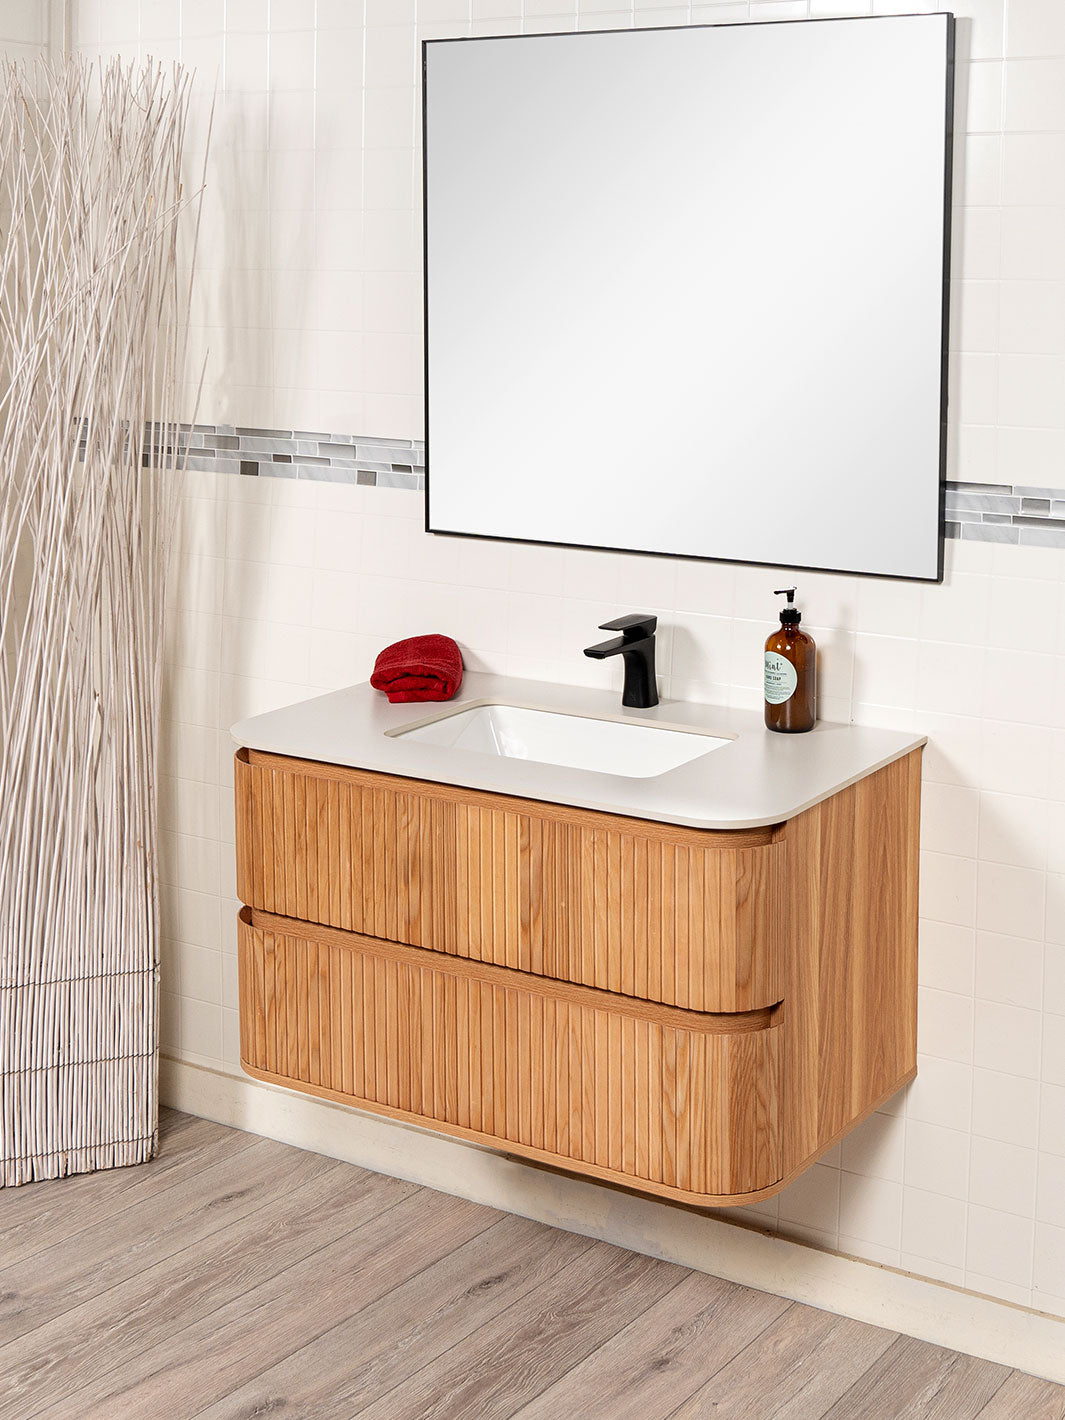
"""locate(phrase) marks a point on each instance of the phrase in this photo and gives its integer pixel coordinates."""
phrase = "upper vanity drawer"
(684, 916)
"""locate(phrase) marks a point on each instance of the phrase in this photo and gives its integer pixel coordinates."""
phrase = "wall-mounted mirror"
(686, 290)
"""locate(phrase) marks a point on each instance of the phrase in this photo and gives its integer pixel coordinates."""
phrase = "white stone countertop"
(759, 778)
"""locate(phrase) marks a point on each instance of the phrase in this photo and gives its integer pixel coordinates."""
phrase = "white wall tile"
(1011, 900)
(199, 972)
(1035, 94)
(936, 1161)
(871, 1209)
(944, 1024)
(982, 92)
(941, 1094)
(981, 28)
(1003, 1177)
(189, 861)
(1035, 28)
(1052, 1119)
(933, 1229)
(1053, 1065)
(950, 816)
(955, 614)
(1055, 908)
(978, 185)
(876, 1148)
(948, 889)
(1013, 830)
(200, 1030)
(1007, 1039)
(1006, 1107)
(1054, 978)
(1000, 1246)
(1032, 246)
(813, 1200)
(1050, 1206)
(947, 955)
(1049, 1273)
(1015, 758)
(1009, 970)
(1032, 317)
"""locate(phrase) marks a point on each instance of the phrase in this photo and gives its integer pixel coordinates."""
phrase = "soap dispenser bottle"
(790, 673)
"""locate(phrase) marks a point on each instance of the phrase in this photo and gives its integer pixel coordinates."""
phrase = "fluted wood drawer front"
(682, 1102)
(671, 914)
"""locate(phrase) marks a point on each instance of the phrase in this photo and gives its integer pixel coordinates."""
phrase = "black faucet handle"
(633, 627)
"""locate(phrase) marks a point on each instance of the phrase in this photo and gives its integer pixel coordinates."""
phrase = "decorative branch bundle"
(92, 313)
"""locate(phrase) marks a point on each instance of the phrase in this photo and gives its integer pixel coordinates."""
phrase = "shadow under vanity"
(691, 983)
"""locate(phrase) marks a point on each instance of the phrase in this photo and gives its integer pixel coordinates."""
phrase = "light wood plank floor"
(234, 1278)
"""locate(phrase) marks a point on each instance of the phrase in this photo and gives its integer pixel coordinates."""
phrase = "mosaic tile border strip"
(975, 512)
(292, 453)
(1005, 512)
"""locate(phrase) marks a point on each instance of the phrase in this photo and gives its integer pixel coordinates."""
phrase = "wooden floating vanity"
(695, 1013)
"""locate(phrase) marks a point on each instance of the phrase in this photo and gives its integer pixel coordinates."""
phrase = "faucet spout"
(607, 648)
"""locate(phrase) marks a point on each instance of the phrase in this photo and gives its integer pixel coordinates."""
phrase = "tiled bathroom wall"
(288, 586)
(23, 29)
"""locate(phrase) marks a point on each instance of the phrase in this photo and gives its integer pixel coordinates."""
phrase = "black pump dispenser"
(790, 615)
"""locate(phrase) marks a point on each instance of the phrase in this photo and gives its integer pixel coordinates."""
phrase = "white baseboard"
(918, 1306)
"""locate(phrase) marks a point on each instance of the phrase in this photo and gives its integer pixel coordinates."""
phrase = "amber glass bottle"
(790, 673)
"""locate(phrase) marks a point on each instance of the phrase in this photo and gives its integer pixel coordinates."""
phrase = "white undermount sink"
(573, 741)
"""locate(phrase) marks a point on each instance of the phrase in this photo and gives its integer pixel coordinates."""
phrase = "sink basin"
(574, 741)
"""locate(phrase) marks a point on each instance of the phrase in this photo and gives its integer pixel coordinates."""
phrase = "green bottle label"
(780, 678)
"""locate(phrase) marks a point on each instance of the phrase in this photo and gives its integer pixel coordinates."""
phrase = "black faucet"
(637, 645)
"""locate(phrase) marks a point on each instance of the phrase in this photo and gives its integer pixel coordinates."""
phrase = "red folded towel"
(419, 668)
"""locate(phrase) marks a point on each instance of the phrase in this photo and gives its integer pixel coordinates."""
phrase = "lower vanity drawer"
(689, 917)
(674, 1102)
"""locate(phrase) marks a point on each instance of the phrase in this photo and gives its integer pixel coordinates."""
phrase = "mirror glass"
(686, 290)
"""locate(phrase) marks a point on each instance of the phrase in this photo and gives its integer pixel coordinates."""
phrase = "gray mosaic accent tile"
(303, 454)
(1051, 536)
(989, 532)
(975, 512)
(953, 486)
(250, 445)
(333, 450)
(1028, 522)
(339, 473)
(311, 470)
(983, 502)
(399, 480)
